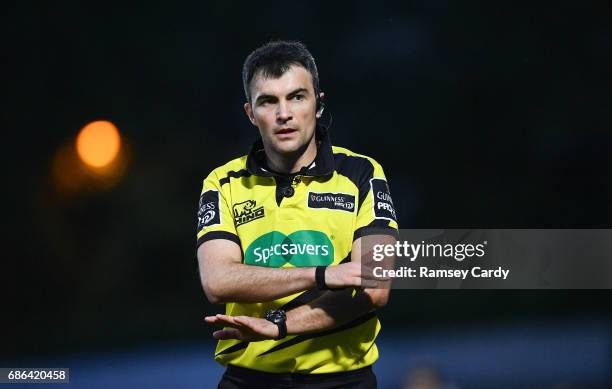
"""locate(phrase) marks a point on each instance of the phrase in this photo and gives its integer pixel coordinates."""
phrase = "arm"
(332, 309)
(335, 308)
(225, 278)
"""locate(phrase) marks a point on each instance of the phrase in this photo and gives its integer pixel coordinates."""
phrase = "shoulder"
(353, 164)
(234, 168)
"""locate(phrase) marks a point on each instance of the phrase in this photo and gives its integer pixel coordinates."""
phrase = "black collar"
(323, 164)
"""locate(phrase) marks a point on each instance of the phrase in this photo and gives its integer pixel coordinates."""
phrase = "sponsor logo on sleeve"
(208, 209)
(383, 205)
(247, 211)
(340, 201)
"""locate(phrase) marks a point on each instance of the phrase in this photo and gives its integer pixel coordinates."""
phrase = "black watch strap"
(282, 329)
(320, 277)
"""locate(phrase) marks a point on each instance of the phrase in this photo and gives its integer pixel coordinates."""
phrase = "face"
(284, 110)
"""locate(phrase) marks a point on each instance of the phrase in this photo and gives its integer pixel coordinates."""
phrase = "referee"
(279, 239)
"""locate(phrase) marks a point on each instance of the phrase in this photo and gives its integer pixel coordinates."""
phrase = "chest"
(307, 217)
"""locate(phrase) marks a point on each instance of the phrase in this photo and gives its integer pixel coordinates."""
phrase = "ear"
(249, 112)
(322, 106)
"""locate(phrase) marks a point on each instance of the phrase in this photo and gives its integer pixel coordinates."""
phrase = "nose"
(283, 113)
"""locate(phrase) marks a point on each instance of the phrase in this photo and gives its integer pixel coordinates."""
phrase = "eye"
(265, 102)
(299, 97)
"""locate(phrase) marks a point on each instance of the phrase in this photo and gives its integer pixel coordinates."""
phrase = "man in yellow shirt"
(279, 239)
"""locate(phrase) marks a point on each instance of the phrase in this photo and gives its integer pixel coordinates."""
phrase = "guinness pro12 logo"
(208, 209)
(383, 205)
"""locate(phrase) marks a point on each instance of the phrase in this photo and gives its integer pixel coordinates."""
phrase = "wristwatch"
(278, 317)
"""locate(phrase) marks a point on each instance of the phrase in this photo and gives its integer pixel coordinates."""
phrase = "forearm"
(251, 284)
(333, 309)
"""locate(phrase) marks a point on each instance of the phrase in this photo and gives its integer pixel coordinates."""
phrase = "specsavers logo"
(301, 248)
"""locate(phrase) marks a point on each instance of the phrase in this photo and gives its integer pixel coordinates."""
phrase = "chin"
(287, 147)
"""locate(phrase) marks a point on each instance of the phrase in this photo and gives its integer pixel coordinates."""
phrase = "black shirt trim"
(218, 235)
(357, 169)
(234, 174)
(375, 230)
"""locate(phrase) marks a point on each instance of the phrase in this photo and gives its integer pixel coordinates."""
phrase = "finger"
(221, 322)
(244, 322)
(224, 320)
(241, 320)
(369, 283)
(257, 326)
(368, 273)
(227, 334)
(248, 322)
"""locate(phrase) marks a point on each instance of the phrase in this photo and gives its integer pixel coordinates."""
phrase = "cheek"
(307, 112)
(261, 118)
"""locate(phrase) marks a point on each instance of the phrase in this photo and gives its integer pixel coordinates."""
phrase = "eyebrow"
(298, 90)
(290, 94)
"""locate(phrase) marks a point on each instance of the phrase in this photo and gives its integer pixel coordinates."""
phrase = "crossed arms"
(225, 279)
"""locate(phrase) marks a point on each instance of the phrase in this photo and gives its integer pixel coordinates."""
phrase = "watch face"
(276, 316)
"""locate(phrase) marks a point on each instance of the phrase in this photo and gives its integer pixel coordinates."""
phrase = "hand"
(350, 274)
(247, 328)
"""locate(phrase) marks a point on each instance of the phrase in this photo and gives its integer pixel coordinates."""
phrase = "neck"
(292, 162)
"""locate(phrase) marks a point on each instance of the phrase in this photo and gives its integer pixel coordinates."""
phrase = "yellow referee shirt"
(306, 219)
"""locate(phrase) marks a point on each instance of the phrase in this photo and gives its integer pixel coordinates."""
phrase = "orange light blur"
(98, 143)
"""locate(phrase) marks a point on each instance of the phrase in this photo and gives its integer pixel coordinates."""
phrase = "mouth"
(285, 131)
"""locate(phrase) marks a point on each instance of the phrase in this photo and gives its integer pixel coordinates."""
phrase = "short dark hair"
(274, 59)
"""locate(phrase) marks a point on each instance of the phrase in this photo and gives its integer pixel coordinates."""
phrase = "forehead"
(294, 78)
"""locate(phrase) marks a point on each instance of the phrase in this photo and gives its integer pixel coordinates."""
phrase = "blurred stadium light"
(98, 143)
(96, 160)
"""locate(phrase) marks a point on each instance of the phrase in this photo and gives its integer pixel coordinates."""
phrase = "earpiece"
(320, 106)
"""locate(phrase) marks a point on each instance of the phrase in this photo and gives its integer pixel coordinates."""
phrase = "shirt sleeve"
(215, 219)
(376, 212)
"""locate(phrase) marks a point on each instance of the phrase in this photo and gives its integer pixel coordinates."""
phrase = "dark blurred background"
(483, 114)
